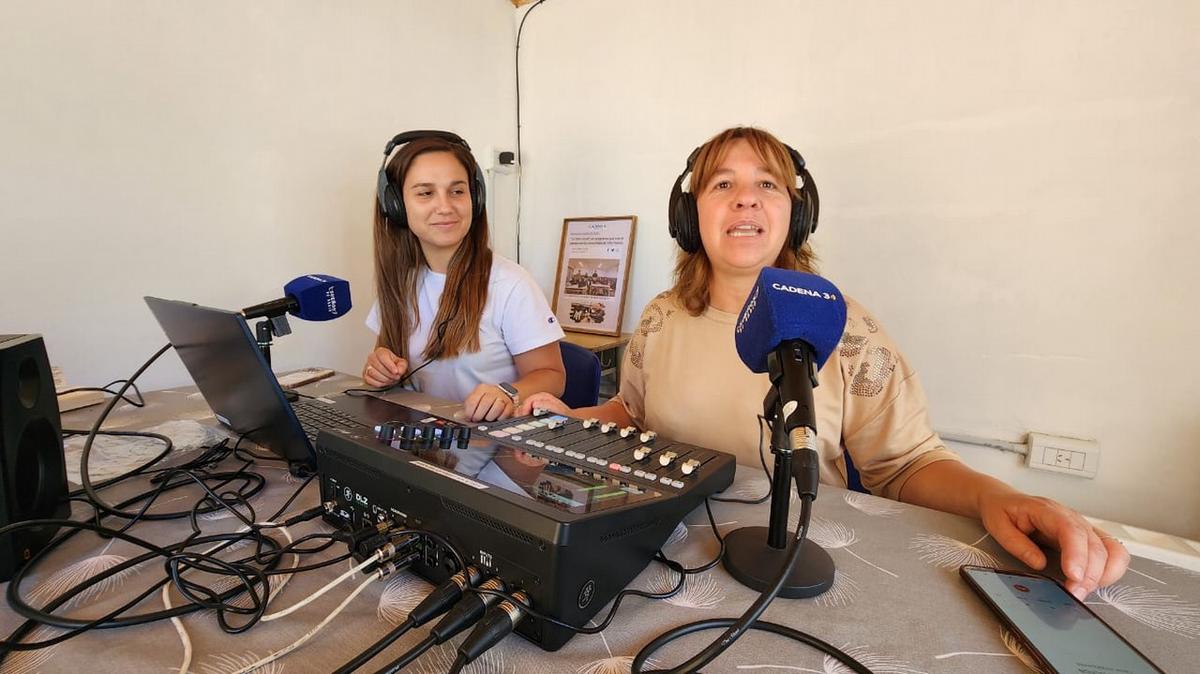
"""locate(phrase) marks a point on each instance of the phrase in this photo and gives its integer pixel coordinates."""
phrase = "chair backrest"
(853, 479)
(582, 388)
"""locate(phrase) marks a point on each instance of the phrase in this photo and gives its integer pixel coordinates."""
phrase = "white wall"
(212, 151)
(1005, 184)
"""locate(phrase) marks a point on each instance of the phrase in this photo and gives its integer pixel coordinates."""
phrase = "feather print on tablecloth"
(76, 573)
(878, 664)
(843, 592)
(951, 553)
(401, 595)
(1161, 611)
(872, 505)
(228, 663)
(31, 662)
(833, 535)
(700, 591)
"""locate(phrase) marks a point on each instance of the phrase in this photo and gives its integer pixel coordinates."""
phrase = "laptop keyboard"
(314, 416)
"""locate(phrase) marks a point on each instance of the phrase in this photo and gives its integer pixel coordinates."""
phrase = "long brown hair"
(694, 270)
(399, 261)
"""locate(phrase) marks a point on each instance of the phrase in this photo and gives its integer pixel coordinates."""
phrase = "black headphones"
(684, 220)
(391, 199)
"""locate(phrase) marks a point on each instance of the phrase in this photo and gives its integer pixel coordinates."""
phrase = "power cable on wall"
(520, 162)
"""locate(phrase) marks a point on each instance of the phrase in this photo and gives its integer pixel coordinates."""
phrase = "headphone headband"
(683, 217)
(390, 195)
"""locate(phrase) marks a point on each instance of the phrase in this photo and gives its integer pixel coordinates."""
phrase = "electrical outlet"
(504, 161)
(1072, 456)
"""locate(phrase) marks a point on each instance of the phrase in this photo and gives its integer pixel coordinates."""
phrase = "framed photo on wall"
(593, 273)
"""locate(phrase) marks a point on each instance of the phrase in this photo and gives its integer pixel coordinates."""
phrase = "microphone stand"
(754, 556)
(267, 328)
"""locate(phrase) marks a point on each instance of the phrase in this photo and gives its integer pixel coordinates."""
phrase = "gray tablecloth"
(897, 603)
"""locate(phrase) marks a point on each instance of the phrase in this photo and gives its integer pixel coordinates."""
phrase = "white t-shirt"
(516, 318)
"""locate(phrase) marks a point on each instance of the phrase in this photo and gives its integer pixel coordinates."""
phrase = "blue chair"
(853, 480)
(582, 388)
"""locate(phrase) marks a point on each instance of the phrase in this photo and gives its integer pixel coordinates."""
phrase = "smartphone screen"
(1065, 633)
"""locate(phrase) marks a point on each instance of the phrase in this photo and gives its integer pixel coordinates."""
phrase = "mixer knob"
(447, 437)
(648, 437)
(554, 424)
(540, 411)
(628, 431)
(642, 453)
(464, 436)
(588, 423)
(689, 466)
(607, 426)
(666, 458)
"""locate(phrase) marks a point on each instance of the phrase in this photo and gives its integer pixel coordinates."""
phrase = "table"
(897, 602)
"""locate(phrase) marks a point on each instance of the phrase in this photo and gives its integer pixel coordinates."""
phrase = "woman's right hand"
(544, 401)
(384, 368)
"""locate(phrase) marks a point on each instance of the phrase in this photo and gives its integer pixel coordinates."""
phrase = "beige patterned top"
(682, 377)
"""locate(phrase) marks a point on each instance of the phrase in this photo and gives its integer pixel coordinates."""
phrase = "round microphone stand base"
(755, 564)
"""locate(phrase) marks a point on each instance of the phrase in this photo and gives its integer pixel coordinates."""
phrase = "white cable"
(300, 642)
(968, 439)
(183, 635)
(166, 598)
(379, 555)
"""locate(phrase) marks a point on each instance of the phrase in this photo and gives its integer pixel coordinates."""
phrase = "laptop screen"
(220, 353)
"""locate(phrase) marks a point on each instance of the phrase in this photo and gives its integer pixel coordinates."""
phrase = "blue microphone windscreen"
(320, 297)
(788, 305)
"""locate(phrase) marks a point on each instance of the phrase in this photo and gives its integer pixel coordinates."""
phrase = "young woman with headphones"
(477, 324)
(682, 376)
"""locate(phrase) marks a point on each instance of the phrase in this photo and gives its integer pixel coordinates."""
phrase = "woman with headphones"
(682, 376)
(475, 324)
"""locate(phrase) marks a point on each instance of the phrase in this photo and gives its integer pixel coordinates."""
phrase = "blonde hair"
(694, 270)
(399, 260)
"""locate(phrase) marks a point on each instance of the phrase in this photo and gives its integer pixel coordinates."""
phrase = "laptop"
(220, 352)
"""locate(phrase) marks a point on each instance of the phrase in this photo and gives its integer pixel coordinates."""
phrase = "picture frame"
(592, 280)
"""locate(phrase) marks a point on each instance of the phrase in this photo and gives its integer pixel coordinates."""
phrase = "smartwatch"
(510, 391)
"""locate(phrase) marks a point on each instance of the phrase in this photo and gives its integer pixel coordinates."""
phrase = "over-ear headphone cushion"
(685, 222)
(391, 200)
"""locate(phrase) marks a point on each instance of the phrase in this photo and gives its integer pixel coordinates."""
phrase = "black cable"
(409, 656)
(524, 605)
(376, 648)
(762, 459)
(774, 628)
(441, 335)
(107, 388)
(712, 522)
(170, 445)
(735, 628)
(520, 162)
(110, 620)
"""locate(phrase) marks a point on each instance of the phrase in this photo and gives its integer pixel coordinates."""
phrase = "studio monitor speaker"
(33, 476)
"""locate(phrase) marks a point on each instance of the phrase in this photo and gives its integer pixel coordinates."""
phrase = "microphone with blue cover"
(313, 297)
(789, 326)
